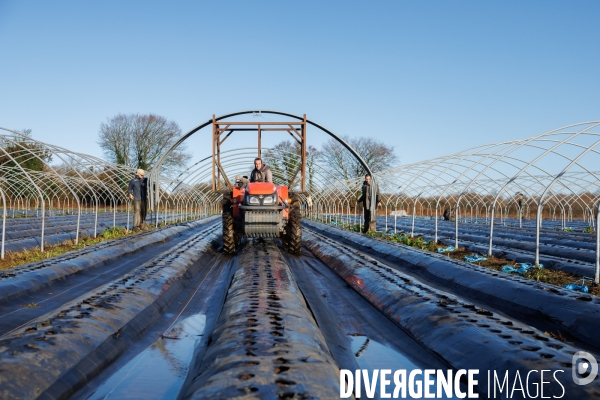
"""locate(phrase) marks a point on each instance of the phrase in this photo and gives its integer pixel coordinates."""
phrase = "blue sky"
(429, 77)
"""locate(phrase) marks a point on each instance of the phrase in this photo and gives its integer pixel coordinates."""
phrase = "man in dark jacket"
(137, 193)
(260, 173)
(365, 198)
(446, 214)
(144, 204)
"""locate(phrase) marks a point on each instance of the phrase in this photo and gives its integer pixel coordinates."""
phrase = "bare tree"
(25, 153)
(376, 154)
(284, 160)
(138, 141)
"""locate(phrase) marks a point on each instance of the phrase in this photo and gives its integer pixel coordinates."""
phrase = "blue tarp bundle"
(579, 288)
(475, 258)
(575, 286)
(446, 250)
(524, 268)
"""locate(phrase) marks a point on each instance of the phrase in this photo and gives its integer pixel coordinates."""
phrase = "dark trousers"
(143, 212)
(370, 225)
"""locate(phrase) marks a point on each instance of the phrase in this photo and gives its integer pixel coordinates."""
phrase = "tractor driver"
(260, 173)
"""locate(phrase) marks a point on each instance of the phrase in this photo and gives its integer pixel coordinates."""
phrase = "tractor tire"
(294, 227)
(228, 234)
(227, 203)
(229, 239)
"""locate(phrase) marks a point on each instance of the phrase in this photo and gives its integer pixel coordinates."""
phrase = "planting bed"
(165, 314)
(574, 252)
(25, 233)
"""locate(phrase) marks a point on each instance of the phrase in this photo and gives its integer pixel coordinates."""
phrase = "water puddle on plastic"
(159, 371)
(371, 355)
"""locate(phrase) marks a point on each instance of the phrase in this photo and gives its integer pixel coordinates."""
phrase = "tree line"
(138, 141)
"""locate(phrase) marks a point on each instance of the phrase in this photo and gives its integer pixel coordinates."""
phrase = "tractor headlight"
(253, 200)
(269, 199)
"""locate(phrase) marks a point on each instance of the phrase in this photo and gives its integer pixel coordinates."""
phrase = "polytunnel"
(550, 176)
(555, 175)
(212, 175)
(261, 321)
(42, 180)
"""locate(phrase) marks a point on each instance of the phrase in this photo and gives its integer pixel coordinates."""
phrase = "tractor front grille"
(262, 223)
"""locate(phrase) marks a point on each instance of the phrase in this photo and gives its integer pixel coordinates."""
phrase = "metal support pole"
(412, 232)
(259, 141)
(360, 222)
(456, 227)
(537, 234)
(493, 208)
(597, 276)
(303, 156)
(348, 213)
(215, 139)
(43, 223)
(435, 238)
(521, 217)
(386, 218)
(78, 222)
(3, 221)
(96, 221)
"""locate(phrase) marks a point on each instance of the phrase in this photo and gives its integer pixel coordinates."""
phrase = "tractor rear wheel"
(228, 228)
(294, 227)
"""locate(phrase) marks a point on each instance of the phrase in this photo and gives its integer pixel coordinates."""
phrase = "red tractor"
(260, 209)
(263, 210)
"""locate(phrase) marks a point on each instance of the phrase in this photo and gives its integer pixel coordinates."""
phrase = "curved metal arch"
(155, 174)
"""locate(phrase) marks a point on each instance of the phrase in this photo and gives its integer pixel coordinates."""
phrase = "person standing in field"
(137, 193)
(446, 214)
(365, 198)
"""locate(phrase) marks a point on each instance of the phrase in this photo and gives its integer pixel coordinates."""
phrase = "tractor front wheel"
(294, 227)
(229, 239)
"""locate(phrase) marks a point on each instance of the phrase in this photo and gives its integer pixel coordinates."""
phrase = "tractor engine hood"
(258, 188)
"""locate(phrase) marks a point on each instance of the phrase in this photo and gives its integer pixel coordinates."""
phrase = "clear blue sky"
(429, 77)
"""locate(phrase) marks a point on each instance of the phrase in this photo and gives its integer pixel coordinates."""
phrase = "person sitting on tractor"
(260, 173)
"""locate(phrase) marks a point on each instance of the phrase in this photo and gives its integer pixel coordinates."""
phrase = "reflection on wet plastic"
(372, 355)
(159, 371)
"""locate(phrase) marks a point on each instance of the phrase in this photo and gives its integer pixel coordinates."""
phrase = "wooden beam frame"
(296, 130)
